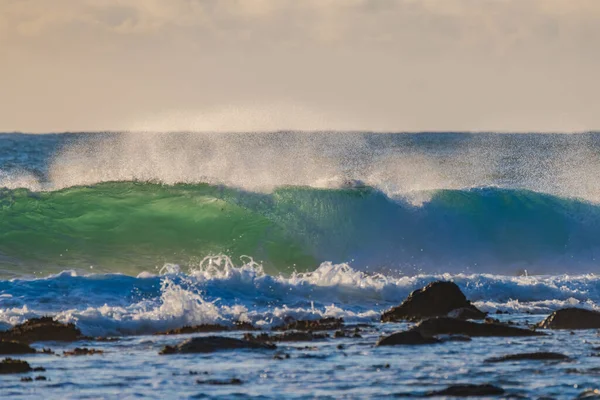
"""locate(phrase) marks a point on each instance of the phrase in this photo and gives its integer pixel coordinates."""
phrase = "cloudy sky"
(386, 65)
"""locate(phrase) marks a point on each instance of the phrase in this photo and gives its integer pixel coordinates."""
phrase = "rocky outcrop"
(434, 300)
(467, 390)
(324, 324)
(42, 329)
(210, 344)
(451, 326)
(572, 318)
(12, 347)
(12, 366)
(539, 356)
(406, 338)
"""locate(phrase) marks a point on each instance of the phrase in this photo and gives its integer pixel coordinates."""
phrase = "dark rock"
(286, 337)
(406, 338)
(467, 390)
(572, 318)
(348, 334)
(42, 329)
(232, 381)
(82, 351)
(324, 324)
(451, 326)
(40, 378)
(213, 343)
(204, 328)
(27, 379)
(491, 320)
(466, 313)
(209, 328)
(12, 366)
(11, 347)
(540, 356)
(434, 300)
(453, 338)
(284, 356)
(589, 394)
(39, 369)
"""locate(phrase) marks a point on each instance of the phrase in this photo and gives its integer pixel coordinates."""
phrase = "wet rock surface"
(434, 300)
(232, 381)
(82, 351)
(406, 338)
(297, 336)
(12, 366)
(204, 328)
(42, 329)
(467, 390)
(324, 324)
(572, 318)
(12, 347)
(214, 343)
(452, 326)
(539, 356)
(209, 328)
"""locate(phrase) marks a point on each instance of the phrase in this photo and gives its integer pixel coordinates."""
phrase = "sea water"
(127, 235)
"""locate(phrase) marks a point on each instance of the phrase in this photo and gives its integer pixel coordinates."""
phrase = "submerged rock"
(539, 356)
(82, 351)
(434, 300)
(286, 337)
(355, 334)
(209, 328)
(12, 366)
(42, 329)
(406, 338)
(12, 347)
(232, 381)
(324, 324)
(213, 343)
(467, 390)
(572, 318)
(204, 328)
(452, 326)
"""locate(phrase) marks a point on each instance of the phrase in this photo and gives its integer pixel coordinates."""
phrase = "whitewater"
(131, 234)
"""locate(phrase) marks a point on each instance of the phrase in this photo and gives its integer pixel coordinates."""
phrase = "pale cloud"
(390, 64)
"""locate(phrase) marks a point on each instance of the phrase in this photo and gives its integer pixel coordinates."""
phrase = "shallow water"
(132, 368)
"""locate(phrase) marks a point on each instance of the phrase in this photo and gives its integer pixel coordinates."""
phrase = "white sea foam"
(219, 292)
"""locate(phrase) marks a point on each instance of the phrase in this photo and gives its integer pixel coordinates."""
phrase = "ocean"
(131, 234)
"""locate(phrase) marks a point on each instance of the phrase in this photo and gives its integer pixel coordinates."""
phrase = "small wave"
(220, 292)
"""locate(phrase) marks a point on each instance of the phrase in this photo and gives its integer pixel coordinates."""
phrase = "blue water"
(127, 235)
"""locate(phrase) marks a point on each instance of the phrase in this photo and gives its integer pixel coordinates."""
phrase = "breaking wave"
(131, 227)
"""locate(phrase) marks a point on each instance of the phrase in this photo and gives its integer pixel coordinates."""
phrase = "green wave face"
(128, 227)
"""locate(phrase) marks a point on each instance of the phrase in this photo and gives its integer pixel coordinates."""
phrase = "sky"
(252, 65)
